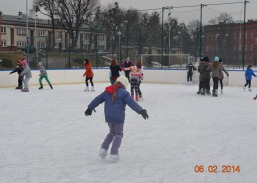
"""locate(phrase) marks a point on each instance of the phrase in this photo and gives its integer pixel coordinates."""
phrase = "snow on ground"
(46, 138)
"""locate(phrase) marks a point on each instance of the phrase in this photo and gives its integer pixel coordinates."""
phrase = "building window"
(211, 37)
(40, 33)
(100, 47)
(3, 43)
(21, 44)
(21, 31)
(251, 35)
(235, 36)
(255, 40)
(240, 35)
(251, 47)
(239, 48)
(245, 47)
(87, 36)
(101, 37)
(41, 45)
(246, 35)
(234, 47)
(207, 48)
(3, 30)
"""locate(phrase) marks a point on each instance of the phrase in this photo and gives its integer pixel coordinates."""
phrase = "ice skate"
(18, 88)
(103, 153)
(25, 90)
(86, 89)
(114, 158)
(249, 89)
(221, 91)
(92, 89)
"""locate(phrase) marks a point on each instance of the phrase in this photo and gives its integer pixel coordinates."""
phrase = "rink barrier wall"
(75, 76)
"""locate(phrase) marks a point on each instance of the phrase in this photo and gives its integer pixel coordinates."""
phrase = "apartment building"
(227, 41)
(40, 34)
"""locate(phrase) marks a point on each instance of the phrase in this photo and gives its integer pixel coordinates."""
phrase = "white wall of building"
(236, 78)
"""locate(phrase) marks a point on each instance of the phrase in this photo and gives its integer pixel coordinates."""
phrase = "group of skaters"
(24, 74)
(210, 70)
(215, 71)
(133, 72)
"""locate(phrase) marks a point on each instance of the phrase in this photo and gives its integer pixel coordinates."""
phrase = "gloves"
(144, 114)
(228, 75)
(88, 112)
(254, 98)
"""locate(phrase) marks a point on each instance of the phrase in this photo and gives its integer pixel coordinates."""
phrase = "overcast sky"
(11, 7)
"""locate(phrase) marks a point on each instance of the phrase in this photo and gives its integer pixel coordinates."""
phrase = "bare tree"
(224, 18)
(49, 7)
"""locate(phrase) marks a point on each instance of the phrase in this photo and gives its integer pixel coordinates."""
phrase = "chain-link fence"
(162, 33)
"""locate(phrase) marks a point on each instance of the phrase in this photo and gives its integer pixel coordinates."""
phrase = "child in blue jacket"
(248, 77)
(116, 98)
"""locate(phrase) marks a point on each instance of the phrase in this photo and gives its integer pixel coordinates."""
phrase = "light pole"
(119, 34)
(163, 8)
(27, 31)
(35, 34)
(126, 21)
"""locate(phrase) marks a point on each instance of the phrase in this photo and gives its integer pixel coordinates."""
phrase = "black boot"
(41, 87)
(51, 86)
(18, 88)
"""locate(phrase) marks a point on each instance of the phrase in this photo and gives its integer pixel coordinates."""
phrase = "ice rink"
(46, 138)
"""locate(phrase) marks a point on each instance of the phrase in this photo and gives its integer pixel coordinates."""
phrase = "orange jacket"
(88, 73)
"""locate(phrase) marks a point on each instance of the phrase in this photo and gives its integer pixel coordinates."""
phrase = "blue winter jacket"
(249, 73)
(115, 111)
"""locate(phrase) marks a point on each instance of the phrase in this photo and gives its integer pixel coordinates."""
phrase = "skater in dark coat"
(116, 98)
(115, 71)
(19, 68)
(126, 67)
(190, 68)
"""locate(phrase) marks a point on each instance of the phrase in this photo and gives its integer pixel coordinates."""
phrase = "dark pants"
(114, 136)
(189, 76)
(127, 75)
(20, 78)
(91, 81)
(139, 91)
(206, 83)
(221, 83)
(248, 82)
(215, 83)
(134, 86)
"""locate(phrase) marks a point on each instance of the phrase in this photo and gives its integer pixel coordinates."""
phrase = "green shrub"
(6, 63)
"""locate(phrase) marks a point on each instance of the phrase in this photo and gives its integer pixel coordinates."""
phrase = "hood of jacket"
(111, 90)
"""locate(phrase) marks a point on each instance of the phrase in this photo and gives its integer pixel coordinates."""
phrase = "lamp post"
(201, 29)
(27, 31)
(163, 8)
(127, 31)
(119, 34)
(35, 34)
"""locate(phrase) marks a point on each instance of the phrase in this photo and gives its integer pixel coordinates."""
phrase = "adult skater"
(116, 98)
(126, 67)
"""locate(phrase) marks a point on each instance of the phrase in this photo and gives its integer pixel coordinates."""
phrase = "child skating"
(26, 74)
(248, 77)
(19, 68)
(42, 75)
(116, 98)
(88, 74)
